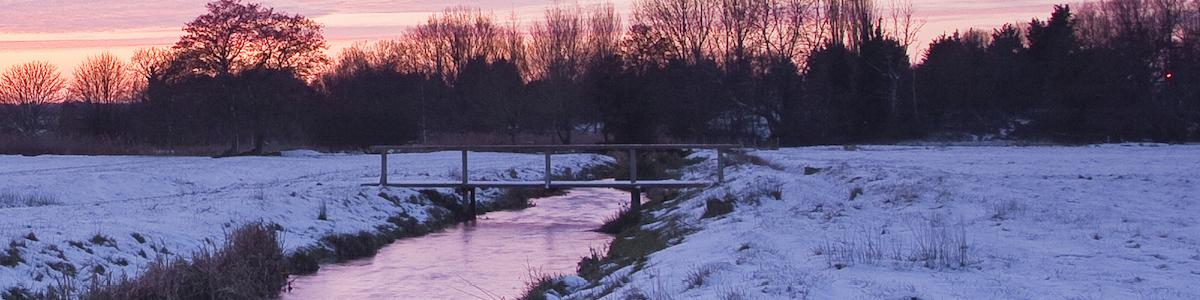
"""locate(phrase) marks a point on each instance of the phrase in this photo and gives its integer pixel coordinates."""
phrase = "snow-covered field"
(891, 222)
(116, 212)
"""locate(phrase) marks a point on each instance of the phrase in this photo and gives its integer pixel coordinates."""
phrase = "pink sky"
(64, 32)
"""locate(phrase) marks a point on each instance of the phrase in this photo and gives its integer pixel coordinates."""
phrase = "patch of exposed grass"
(714, 206)
(11, 256)
(518, 198)
(251, 265)
(323, 212)
(623, 220)
(36, 199)
(540, 284)
(138, 237)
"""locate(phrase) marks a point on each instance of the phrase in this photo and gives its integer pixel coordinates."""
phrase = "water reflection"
(490, 259)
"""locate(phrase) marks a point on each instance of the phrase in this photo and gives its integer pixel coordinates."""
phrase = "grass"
(934, 244)
(323, 212)
(343, 247)
(36, 199)
(622, 221)
(250, 265)
(12, 256)
(518, 198)
(540, 284)
(714, 207)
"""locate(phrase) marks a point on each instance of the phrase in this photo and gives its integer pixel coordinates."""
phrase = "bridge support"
(635, 199)
(468, 194)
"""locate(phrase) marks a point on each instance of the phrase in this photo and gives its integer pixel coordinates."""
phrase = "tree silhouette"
(29, 90)
(245, 48)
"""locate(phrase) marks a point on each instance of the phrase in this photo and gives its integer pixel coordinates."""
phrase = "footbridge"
(468, 187)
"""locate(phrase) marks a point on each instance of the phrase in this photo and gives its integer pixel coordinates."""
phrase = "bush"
(714, 207)
(12, 256)
(620, 222)
(250, 266)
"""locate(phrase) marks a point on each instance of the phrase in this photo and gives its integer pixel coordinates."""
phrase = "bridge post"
(383, 169)
(633, 165)
(720, 165)
(635, 199)
(547, 175)
(464, 168)
(472, 210)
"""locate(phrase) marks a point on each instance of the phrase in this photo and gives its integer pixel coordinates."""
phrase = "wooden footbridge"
(468, 187)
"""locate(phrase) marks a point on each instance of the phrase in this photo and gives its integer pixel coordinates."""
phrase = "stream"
(493, 258)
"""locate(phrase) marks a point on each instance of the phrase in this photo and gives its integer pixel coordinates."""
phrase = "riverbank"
(890, 222)
(79, 218)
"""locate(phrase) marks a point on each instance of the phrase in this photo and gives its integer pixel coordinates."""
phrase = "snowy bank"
(1097, 222)
(74, 217)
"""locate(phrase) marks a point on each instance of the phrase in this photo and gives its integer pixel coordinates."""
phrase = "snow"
(179, 205)
(1096, 222)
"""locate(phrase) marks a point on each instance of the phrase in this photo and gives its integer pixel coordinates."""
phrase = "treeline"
(793, 71)
(1119, 70)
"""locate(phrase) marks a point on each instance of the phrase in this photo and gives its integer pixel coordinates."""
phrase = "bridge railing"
(633, 183)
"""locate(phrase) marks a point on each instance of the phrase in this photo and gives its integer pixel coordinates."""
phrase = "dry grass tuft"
(251, 265)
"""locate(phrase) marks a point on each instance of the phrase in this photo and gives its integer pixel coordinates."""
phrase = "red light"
(1169, 75)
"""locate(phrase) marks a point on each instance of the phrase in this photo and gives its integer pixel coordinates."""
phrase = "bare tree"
(791, 29)
(735, 39)
(30, 89)
(449, 39)
(103, 79)
(604, 31)
(902, 24)
(558, 58)
(688, 23)
(558, 46)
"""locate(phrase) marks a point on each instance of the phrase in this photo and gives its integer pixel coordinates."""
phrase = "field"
(892, 222)
(81, 218)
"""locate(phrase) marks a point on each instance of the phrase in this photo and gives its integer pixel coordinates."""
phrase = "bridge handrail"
(498, 148)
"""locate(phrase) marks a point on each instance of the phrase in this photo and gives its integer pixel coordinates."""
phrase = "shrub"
(620, 222)
(518, 198)
(351, 246)
(714, 207)
(251, 265)
(12, 256)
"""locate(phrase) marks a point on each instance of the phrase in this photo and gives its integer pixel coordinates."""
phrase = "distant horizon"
(61, 32)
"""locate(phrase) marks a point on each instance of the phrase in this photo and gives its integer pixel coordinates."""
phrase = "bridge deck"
(552, 184)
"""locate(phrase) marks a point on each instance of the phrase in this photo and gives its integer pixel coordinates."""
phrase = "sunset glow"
(65, 32)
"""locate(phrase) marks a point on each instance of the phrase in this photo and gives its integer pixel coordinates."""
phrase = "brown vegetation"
(250, 265)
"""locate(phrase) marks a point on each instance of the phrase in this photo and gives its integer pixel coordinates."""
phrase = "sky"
(65, 32)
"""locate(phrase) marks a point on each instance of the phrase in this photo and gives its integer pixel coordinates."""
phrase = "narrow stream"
(491, 259)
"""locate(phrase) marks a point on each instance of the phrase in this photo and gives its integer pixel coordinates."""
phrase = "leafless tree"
(735, 36)
(103, 79)
(29, 90)
(558, 46)
(790, 29)
(558, 57)
(449, 39)
(902, 23)
(688, 23)
(604, 30)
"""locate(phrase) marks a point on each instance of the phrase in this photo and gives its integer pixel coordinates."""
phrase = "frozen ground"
(1096, 222)
(109, 215)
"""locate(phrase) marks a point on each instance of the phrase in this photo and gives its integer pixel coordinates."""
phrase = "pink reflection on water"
(490, 259)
